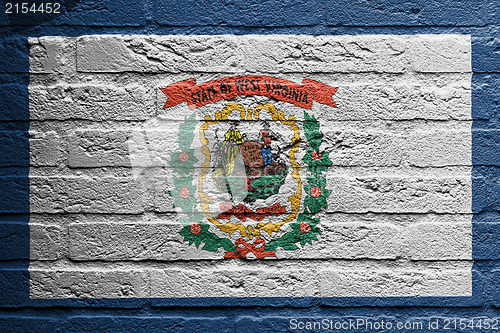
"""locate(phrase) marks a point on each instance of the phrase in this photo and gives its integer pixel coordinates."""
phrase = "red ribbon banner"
(248, 85)
(242, 212)
(243, 248)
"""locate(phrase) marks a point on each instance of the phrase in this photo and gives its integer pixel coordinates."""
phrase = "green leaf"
(289, 247)
(311, 129)
(186, 134)
(228, 245)
(211, 245)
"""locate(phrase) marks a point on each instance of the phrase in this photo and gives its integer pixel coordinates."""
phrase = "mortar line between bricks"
(145, 262)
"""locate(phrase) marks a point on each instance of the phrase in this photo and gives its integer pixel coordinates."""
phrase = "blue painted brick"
(495, 278)
(14, 197)
(279, 302)
(485, 189)
(486, 100)
(486, 241)
(14, 147)
(31, 324)
(486, 51)
(409, 13)
(107, 13)
(15, 241)
(486, 145)
(117, 323)
(14, 104)
(247, 13)
(14, 286)
(14, 55)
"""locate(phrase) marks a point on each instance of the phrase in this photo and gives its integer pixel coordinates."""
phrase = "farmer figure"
(267, 136)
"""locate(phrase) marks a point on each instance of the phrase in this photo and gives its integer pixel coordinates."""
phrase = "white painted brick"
(84, 194)
(138, 241)
(233, 282)
(85, 283)
(54, 54)
(362, 148)
(47, 242)
(46, 149)
(399, 101)
(325, 54)
(173, 54)
(91, 102)
(440, 53)
(439, 148)
(95, 148)
(438, 241)
(396, 282)
(124, 146)
(376, 148)
(399, 195)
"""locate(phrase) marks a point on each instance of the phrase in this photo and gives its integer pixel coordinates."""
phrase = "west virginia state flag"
(250, 166)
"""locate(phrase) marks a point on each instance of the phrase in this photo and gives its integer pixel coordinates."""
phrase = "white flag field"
(250, 166)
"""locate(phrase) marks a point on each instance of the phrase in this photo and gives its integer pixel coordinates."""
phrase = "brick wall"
(91, 229)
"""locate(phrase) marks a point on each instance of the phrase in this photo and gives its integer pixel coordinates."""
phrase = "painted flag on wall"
(250, 166)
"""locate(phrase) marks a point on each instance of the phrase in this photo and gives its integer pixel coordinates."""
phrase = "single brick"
(486, 56)
(486, 145)
(486, 241)
(90, 102)
(23, 323)
(14, 53)
(46, 149)
(438, 53)
(133, 241)
(144, 323)
(250, 13)
(401, 282)
(438, 148)
(47, 242)
(88, 283)
(83, 194)
(438, 241)
(399, 194)
(157, 54)
(14, 102)
(15, 240)
(14, 146)
(397, 13)
(52, 55)
(325, 54)
(400, 102)
(377, 148)
(233, 282)
(14, 197)
(103, 13)
(95, 148)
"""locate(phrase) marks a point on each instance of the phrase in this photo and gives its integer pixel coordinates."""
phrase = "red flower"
(315, 191)
(195, 228)
(304, 227)
(184, 192)
(183, 157)
(315, 156)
